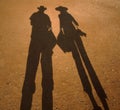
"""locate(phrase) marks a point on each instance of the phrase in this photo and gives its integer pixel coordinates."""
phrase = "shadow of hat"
(61, 8)
(42, 8)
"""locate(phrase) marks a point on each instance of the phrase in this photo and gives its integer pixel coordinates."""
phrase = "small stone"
(113, 70)
(8, 83)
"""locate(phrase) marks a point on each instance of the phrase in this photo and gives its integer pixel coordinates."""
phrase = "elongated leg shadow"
(92, 74)
(29, 82)
(83, 76)
(47, 81)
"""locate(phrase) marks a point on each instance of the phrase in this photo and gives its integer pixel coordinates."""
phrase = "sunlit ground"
(99, 19)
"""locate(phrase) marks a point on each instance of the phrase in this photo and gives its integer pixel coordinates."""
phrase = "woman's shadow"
(40, 49)
(69, 40)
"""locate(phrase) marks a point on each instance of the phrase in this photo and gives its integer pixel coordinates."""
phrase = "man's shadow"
(40, 49)
(69, 40)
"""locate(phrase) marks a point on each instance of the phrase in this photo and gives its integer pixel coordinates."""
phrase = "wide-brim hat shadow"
(61, 8)
(42, 8)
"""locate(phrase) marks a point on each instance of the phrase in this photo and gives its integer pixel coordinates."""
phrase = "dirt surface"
(99, 19)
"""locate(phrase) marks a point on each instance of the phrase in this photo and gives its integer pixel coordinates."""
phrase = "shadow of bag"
(80, 33)
(52, 40)
(63, 42)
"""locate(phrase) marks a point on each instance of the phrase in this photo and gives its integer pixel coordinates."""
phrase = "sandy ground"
(99, 19)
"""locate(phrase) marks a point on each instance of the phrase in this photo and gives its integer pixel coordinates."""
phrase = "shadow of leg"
(92, 74)
(83, 77)
(47, 80)
(29, 82)
(26, 102)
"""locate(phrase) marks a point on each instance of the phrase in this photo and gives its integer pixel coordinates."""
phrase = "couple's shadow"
(41, 49)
